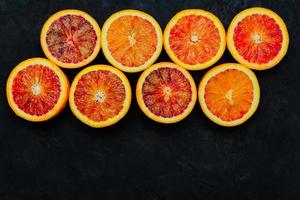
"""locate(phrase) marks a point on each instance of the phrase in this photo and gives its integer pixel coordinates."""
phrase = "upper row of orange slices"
(195, 39)
(100, 95)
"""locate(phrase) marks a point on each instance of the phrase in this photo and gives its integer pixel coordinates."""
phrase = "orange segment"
(166, 93)
(100, 96)
(194, 39)
(131, 40)
(257, 38)
(102, 91)
(37, 89)
(229, 94)
(71, 38)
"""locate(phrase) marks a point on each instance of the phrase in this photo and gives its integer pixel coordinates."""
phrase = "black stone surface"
(137, 158)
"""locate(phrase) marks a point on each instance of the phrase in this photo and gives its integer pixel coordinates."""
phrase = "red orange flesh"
(71, 38)
(194, 39)
(166, 92)
(100, 96)
(257, 38)
(37, 89)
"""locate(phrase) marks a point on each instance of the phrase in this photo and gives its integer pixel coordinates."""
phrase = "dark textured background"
(137, 158)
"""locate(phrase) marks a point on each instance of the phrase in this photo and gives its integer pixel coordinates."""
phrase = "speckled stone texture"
(137, 158)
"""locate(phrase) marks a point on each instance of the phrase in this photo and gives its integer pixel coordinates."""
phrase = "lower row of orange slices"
(100, 95)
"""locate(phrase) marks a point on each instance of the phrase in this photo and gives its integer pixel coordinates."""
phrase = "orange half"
(37, 90)
(131, 40)
(258, 38)
(166, 93)
(71, 38)
(229, 94)
(100, 96)
(195, 39)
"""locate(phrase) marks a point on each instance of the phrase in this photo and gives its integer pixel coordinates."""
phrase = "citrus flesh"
(100, 96)
(131, 40)
(37, 90)
(257, 38)
(229, 94)
(194, 39)
(166, 92)
(71, 38)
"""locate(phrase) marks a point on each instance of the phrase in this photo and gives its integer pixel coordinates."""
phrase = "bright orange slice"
(229, 94)
(131, 40)
(166, 93)
(257, 38)
(100, 96)
(37, 89)
(71, 38)
(195, 39)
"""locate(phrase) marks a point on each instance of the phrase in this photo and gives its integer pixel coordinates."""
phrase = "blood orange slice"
(131, 40)
(166, 93)
(37, 89)
(71, 38)
(229, 94)
(195, 39)
(100, 96)
(257, 38)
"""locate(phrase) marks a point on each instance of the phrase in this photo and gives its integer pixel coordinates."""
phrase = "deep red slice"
(166, 92)
(36, 89)
(71, 39)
